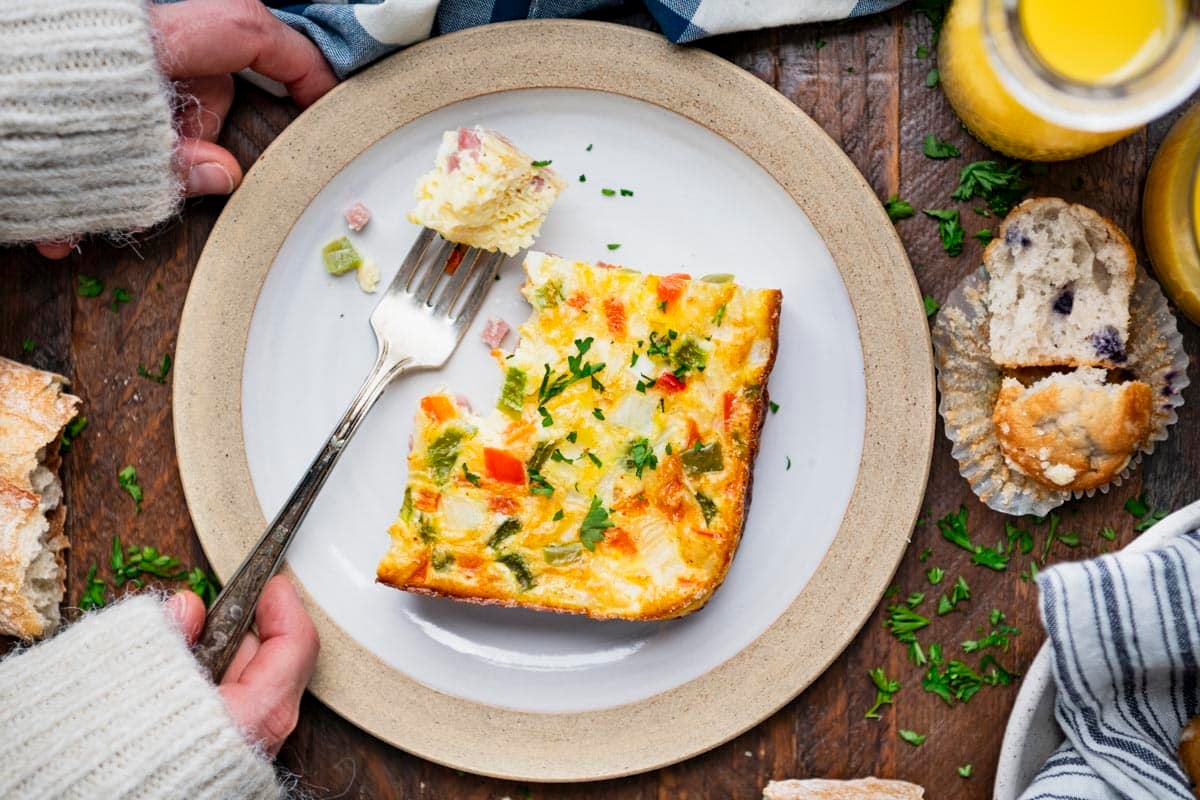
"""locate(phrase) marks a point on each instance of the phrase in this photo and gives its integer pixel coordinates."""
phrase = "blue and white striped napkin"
(1125, 634)
(353, 33)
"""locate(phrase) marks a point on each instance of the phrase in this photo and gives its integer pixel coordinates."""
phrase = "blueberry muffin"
(1060, 281)
(1072, 431)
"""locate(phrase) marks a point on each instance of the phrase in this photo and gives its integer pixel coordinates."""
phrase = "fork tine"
(453, 287)
(412, 261)
(434, 273)
(477, 290)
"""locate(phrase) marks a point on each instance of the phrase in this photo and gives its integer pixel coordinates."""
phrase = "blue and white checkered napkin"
(353, 33)
(1125, 634)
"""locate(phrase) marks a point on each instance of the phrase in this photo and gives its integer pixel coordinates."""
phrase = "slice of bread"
(1058, 293)
(864, 789)
(1072, 431)
(33, 411)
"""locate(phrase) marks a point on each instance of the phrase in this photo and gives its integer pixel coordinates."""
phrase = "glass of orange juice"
(1047, 80)
(1171, 214)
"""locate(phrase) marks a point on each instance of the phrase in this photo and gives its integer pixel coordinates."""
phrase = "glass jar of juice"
(1171, 214)
(1047, 80)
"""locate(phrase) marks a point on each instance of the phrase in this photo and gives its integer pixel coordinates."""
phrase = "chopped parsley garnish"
(538, 484)
(608, 192)
(520, 570)
(128, 479)
(885, 692)
(904, 623)
(93, 592)
(965, 771)
(640, 456)
(29, 345)
(572, 437)
(939, 149)
(771, 404)
(789, 463)
(589, 148)
(71, 432)
(119, 296)
(583, 178)
(1000, 187)
(922, 51)
(689, 357)
(595, 523)
(592, 457)
(912, 737)
(598, 414)
(1139, 508)
(935, 575)
(959, 592)
(998, 637)
(934, 11)
(931, 306)
(202, 584)
(985, 236)
(626, 193)
(88, 286)
(915, 599)
(1018, 537)
(129, 564)
(425, 527)
(660, 347)
(470, 476)
(950, 230)
(557, 515)
(663, 306)
(820, 43)
(1108, 534)
(954, 530)
(164, 367)
(540, 164)
(547, 420)
(925, 554)
(577, 370)
(613, 246)
(898, 209)
(932, 78)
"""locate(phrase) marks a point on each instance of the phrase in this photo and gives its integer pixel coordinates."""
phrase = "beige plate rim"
(715, 94)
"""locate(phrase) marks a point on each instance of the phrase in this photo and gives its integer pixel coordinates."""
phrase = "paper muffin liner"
(969, 384)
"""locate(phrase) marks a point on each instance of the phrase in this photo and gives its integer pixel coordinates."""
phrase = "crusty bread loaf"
(33, 411)
(1072, 431)
(1060, 276)
(864, 789)
(1189, 752)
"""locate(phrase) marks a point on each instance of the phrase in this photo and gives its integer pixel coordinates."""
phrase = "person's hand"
(200, 43)
(263, 685)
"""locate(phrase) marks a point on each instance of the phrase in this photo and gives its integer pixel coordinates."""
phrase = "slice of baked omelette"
(614, 475)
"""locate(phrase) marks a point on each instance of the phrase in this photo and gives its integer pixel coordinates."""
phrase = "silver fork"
(418, 324)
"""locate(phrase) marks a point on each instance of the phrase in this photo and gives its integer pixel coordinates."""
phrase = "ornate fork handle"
(233, 610)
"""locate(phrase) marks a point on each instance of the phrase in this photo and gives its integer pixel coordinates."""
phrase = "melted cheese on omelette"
(613, 477)
(483, 192)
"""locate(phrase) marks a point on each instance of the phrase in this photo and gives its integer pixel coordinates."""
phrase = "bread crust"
(1032, 205)
(33, 411)
(1070, 436)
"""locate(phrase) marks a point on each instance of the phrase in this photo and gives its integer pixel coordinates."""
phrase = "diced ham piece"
(451, 163)
(537, 182)
(468, 140)
(463, 401)
(357, 216)
(494, 332)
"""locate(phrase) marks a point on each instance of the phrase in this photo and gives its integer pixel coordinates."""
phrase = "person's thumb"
(186, 610)
(206, 168)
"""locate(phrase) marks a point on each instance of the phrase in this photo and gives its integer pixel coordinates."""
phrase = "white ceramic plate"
(1032, 733)
(727, 176)
(699, 206)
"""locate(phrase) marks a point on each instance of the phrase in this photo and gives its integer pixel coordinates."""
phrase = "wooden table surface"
(865, 84)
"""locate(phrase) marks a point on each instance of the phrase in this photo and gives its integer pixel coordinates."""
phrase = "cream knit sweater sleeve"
(86, 137)
(116, 707)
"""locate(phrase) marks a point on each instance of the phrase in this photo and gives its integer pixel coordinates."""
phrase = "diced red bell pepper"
(668, 382)
(503, 466)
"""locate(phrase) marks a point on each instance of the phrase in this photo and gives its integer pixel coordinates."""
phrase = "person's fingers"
(56, 250)
(206, 168)
(186, 609)
(213, 37)
(244, 655)
(265, 699)
(204, 102)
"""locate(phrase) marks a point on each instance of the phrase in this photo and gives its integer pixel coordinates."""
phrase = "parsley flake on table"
(904, 623)
(922, 51)
(925, 554)
(998, 637)
(130, 563)
(1000, 187)
(93, 592)
(1107, 533)
(88, 286)
(932, 78)
(915, 599)
(1018, 537)
(950, 230)
(789, 463)
(1139, 508)
(820, 43)
(898, 209)
(583, 178)
(984, 235)
(614, 246)
(164, 367)
(540, 164)
(202, 584)
(912, 737)
(965, 771)
(608, 192)
(595, 523)
(588, 148)
(939, 149)
(771, 404)
(959, 593)
(29, 345)
(885, 692)
(626, 193)
(128, 480)
(931, 306)
(119, 296)
(71, 433)
(935, 575)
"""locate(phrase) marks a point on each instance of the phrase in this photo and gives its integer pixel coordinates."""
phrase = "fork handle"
(233, 610)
